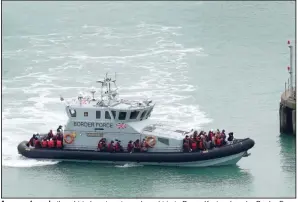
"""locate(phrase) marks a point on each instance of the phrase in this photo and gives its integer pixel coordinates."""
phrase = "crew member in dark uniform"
(59, 129)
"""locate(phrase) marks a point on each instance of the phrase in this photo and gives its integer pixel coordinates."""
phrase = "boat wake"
(128, 165)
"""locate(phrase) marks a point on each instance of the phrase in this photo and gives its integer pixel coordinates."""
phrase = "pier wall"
(287, 113)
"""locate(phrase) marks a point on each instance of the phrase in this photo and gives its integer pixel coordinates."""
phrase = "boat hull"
(226, 155)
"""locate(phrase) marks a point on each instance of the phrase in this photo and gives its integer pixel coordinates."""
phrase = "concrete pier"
(287, 113)
(287, 107)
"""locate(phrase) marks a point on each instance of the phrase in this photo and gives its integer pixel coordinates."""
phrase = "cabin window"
(114, 114)
(163, 140)
(85, 113)
(122, 115)
(98, 114)
(149, 113)
(143, 114)
(73, 112)
(107, 115)
(134, 114)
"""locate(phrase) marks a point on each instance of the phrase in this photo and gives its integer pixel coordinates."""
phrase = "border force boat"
(113, 130)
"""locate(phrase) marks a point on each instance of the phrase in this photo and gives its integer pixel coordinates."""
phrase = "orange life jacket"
(201, 145)
(36, 142)
(218, 141)
(137, 145)
(44, 144)
(193, 145)
(51, 144)
(117, 147)
(100, 145)
(110, 147)
(59, 144)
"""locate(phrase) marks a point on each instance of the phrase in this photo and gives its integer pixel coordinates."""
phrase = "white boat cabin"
(91, 119)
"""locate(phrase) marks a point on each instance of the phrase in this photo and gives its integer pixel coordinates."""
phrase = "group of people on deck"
(203, 141)
(48, 141)
(116, 146)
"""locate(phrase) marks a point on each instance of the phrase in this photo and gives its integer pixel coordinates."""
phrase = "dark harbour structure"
(287, 108)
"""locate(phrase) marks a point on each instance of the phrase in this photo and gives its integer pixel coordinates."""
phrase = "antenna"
(93, 91)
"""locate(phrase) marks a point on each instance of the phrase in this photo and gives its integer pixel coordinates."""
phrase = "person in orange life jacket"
(51, 143)
(100, 145)
(37, 143)
(44, 143)
(59, 136)
(118, 146)
(195, 134)
(193, 145)
(137, 146)
(130, 146)
(59, 144)
(144, 146)
(111, 147)
(217, 140)
(223, 136)
(54, 138)
(104, 145)
(202, 143)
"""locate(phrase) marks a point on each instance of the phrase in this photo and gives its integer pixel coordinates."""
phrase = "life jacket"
(100, 146)
(129, 147)
(59, 144)
(201, 145)
(144, 144)
(37, 144)
(51, 144)
(137, 145)
(117, 147)
(44, 144)
(193, 145)
(110, 147)
(217, 141)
